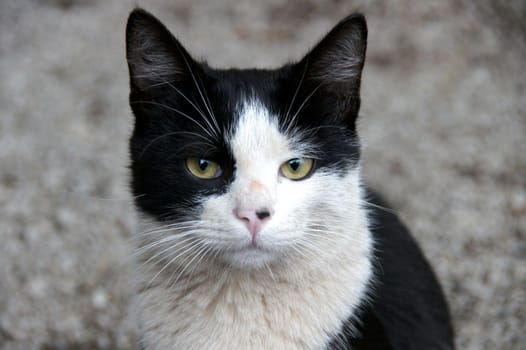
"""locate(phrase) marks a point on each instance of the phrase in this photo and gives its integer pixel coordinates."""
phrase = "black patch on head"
(184, 108)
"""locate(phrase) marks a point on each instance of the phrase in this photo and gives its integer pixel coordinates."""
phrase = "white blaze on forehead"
(257, 143)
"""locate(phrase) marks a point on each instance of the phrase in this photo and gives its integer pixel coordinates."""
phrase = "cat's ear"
(334, 66)
(154, 55)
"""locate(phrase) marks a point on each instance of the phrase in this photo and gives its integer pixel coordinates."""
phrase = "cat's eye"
(296, 168)
(203, 168)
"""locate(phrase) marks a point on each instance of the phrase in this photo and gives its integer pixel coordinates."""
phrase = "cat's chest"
(250, 314)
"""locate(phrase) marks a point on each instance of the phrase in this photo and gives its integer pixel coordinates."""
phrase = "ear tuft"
(153, 54)
(337, 61)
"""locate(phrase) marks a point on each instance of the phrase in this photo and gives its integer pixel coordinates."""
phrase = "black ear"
(338, 59)
(154, 55)
(334, 66)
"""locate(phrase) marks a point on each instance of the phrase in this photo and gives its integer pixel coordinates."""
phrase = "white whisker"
(217, 132)
(290, 125)
(287, 115)
(176, 111)
(197, 251)
(192, 246)
(170, 84)
(388, 210)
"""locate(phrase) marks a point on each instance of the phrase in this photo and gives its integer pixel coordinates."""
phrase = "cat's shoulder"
(404, 280)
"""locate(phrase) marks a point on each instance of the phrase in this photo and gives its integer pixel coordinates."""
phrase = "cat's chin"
(249, 258)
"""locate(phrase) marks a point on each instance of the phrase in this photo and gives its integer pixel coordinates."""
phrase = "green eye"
(203, 168)
(296, 168)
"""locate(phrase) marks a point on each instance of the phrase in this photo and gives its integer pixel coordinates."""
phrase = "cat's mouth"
(253, 247)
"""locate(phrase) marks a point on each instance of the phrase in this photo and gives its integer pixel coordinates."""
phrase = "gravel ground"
(443, 122)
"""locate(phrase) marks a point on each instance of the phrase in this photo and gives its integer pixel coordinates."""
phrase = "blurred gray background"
(443, 123)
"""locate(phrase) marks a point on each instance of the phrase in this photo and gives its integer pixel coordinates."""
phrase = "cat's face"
(243, 167)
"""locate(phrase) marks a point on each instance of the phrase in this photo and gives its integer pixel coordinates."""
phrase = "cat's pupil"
(294, 164)
(203, 164)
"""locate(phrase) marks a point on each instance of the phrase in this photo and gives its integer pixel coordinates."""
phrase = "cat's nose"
(253, 219)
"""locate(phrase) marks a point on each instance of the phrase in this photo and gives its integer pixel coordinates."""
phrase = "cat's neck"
(256, 310)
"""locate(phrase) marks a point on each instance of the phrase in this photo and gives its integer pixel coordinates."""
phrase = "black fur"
(407, 309)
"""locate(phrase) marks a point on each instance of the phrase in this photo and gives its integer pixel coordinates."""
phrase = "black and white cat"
(257, 231)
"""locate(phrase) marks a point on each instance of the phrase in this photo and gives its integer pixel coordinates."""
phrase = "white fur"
(295, 289)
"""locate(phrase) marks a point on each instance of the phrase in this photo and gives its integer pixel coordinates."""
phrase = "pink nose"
(253, 219)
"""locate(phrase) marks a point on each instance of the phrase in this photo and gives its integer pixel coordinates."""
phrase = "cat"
(257, 231)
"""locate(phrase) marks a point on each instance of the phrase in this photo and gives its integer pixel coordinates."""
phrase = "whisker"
(290, 125)
(190, 247)
(195, 265)
(211, 110)
(325, 233)
(168, 227)
(179, 239)
(303, 251)
(201, 248)
(169, 83)
(267, 266)
(174, 110)
(213, 136)
(217, 132)
(388, 210)
(287, 115)
(171, 247)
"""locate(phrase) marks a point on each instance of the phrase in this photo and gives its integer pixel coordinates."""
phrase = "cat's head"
(244, 167)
